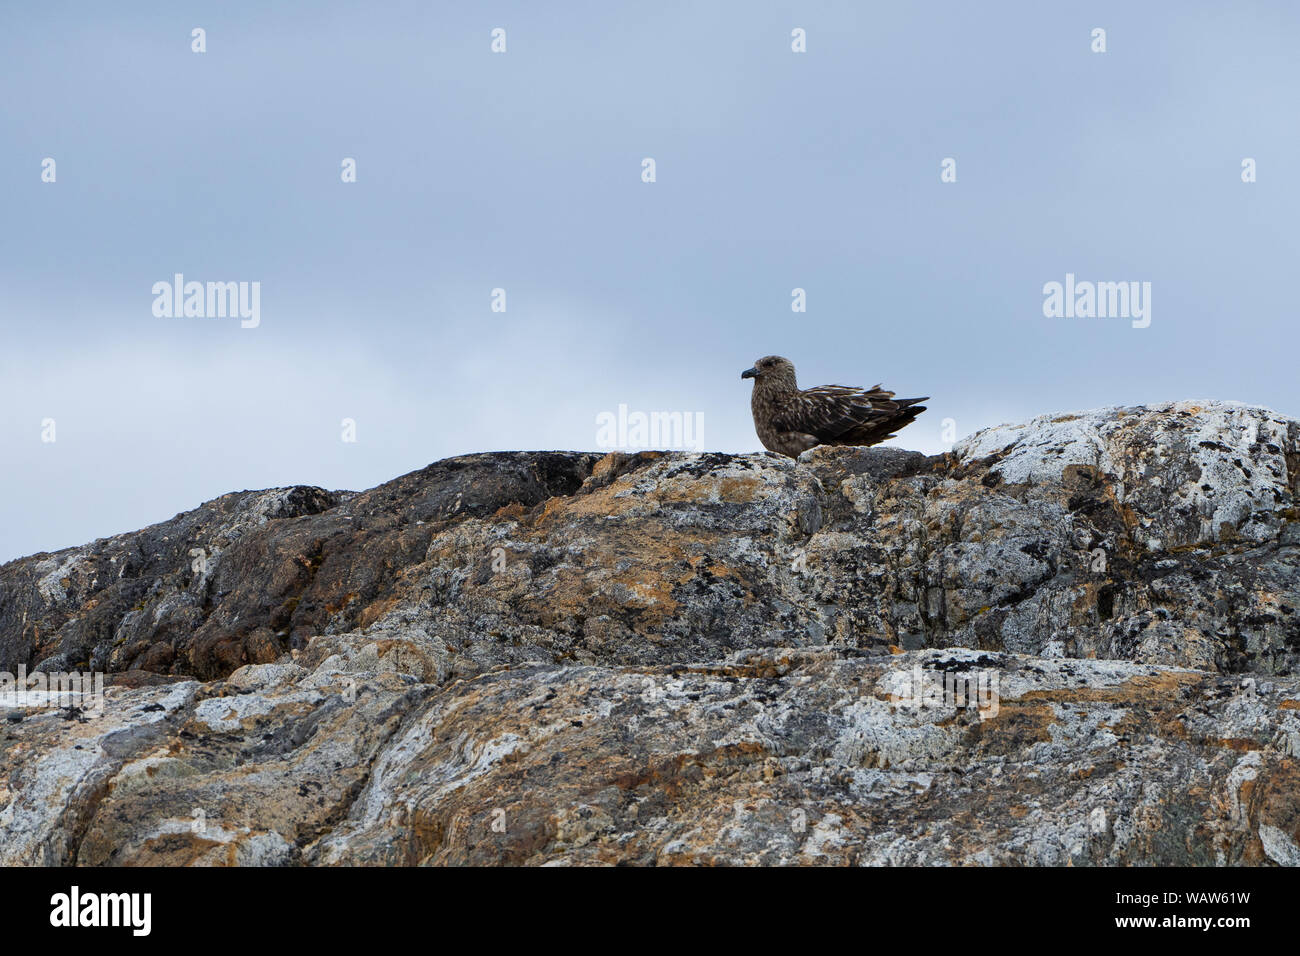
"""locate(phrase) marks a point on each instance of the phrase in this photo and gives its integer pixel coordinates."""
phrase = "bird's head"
(772, 370)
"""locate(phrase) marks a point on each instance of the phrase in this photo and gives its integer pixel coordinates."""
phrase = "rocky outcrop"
(253, 574)
(685, 658)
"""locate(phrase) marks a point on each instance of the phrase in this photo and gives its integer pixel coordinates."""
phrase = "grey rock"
(557, 657)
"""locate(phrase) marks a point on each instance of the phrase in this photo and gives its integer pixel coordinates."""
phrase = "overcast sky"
(522, 170)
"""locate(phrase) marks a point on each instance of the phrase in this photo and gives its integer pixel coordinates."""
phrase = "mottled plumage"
(790, 420)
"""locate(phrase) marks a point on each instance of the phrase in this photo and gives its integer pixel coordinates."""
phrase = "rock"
(243, 578)
(555, 657)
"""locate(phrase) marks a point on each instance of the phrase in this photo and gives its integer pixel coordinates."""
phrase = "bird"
(790, 420)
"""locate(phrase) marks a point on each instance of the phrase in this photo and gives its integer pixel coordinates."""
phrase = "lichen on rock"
(662, 658)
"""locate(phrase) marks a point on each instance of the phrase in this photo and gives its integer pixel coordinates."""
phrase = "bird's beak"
(749, 373)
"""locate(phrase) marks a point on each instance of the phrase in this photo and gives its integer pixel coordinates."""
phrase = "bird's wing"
(830, 411)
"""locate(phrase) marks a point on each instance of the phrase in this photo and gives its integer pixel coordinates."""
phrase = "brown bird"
(790, 419)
